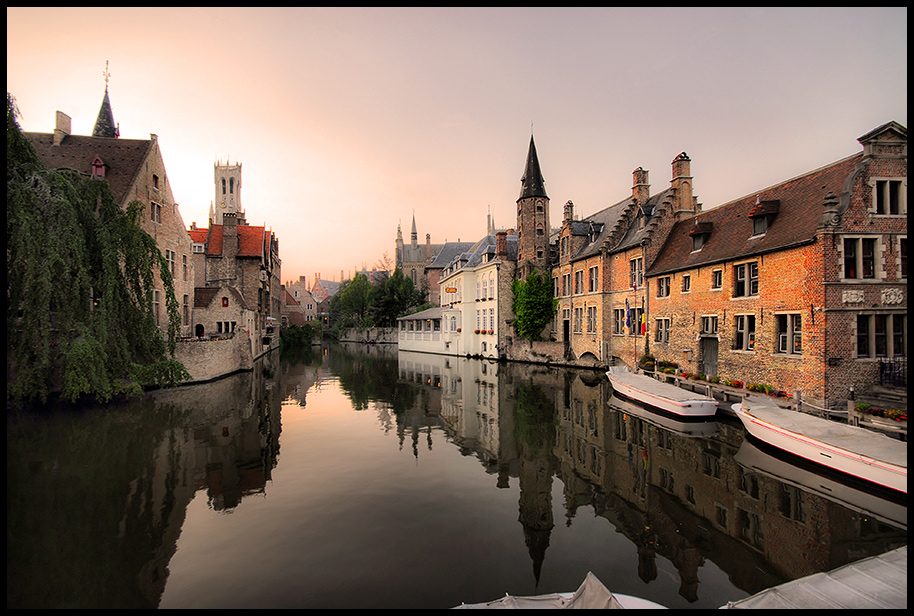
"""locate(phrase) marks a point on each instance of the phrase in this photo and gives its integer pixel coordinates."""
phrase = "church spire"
(532, 184)
(414, 236)
(104, 124)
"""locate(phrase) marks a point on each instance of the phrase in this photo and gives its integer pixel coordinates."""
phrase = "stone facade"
(412, 258)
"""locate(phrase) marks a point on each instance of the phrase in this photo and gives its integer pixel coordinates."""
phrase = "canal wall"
(206, 360)
(379, 335)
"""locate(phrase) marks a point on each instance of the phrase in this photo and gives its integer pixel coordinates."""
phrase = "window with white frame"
(578, 318)
(789, 333)
(859, 257)
(662, 330)
(663, 286)
(709, 324)
(686, 283)
(636, 272)
(579, 281)
(591, 319)
(492, 318)
(881, 335)
(889, 196)
(594, 279)
(717, 279)
(744, 332)
(745, 276)
(618, 321)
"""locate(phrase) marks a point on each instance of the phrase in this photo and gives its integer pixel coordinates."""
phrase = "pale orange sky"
(347, 121)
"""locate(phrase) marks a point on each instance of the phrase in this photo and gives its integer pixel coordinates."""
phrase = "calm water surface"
(362, 478)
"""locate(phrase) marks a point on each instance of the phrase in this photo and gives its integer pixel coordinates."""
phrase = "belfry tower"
(227, 179)
(532, 218)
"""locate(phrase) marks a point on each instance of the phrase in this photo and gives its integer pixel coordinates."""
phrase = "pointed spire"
(414, 236)
(104, 124)
(532, 184)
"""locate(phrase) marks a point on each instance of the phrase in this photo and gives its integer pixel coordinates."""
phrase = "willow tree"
(81, 275)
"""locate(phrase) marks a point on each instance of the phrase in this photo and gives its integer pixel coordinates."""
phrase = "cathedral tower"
(532, 218)
(228, 190)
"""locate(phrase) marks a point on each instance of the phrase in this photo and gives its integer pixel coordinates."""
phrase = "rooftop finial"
(106, 75)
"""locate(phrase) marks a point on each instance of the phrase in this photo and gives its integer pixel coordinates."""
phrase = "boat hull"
(669, 399)
(882, 473)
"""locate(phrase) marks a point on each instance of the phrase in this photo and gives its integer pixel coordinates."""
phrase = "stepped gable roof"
(793, 222)
(123, 157)
(636, 232)
(532, 184)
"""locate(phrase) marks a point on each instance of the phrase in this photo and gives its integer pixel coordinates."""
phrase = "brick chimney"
(641, 188)
(428, 248)
(501, 244)
(569, 211)
(229, 235)
(61, 127)
(683, 202)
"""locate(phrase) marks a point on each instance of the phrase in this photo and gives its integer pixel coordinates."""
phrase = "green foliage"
(361, 304)
(534, 418)
(395, 297)
(81, 275)
(533, 304)
(298, 336)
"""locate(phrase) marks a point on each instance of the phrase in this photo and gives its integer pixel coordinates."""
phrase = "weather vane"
(107, 75)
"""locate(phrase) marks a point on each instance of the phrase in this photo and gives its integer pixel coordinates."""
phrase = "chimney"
(682, 185)
(569, 211)
(61, 127)
(229, 235)
(641, 188)
(501, 244)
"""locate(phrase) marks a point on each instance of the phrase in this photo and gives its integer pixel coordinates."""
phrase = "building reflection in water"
(674, 489)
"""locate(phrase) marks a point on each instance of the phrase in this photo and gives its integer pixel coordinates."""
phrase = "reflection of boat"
(667, 398)
(591, 595)
(855, 452)
(689, 429)
(753, 458)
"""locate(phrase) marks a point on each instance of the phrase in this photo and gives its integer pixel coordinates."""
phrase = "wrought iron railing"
(893, 372)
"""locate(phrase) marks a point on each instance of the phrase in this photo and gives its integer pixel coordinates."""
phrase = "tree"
(396, 297)
(533, 305)
(81, 275)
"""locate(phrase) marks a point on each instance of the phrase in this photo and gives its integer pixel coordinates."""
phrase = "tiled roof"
(198, 236)
(795, 219)
(203, 296)
(250, 240)
(123, 157)
(532, 184)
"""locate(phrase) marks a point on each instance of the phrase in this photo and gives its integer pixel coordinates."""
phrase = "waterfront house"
(801, 285)
(135, 171)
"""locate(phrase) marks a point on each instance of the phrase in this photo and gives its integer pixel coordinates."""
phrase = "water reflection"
(98, 497)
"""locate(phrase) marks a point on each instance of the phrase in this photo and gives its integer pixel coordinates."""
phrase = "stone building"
(533, 226)
(135, 171)
(412, 259)
(232, 255)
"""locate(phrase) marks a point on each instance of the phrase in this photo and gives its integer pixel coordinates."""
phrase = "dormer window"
(699, 235)
(762, 214)
(98, 168)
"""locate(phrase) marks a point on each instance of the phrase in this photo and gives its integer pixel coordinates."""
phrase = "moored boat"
(592, 594)
(850, 451)
(678, 402)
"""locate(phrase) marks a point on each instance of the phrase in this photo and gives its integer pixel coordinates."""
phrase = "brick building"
(135, 171)
(801, 285)
(240, 260)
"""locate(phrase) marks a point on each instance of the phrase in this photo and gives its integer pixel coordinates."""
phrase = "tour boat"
(667, 398)
(591, 595)
(853, 452)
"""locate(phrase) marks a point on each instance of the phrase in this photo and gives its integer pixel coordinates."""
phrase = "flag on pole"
(643, 318)
(628, 316)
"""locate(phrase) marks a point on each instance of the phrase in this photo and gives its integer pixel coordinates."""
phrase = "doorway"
(708, 363)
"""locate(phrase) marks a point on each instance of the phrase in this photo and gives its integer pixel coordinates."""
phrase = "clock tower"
(228, 190)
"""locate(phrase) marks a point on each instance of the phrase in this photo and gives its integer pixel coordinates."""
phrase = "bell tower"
(228, 190)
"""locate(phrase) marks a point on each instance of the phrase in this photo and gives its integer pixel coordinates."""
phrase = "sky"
(350, 121)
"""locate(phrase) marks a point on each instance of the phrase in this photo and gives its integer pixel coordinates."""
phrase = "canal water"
(357, 477)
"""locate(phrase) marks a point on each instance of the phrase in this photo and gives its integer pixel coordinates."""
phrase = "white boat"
(667, 398)
(854, 452)
(591, 595)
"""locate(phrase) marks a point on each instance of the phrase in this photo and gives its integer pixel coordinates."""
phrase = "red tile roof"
(251, 240)
(795, 219)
